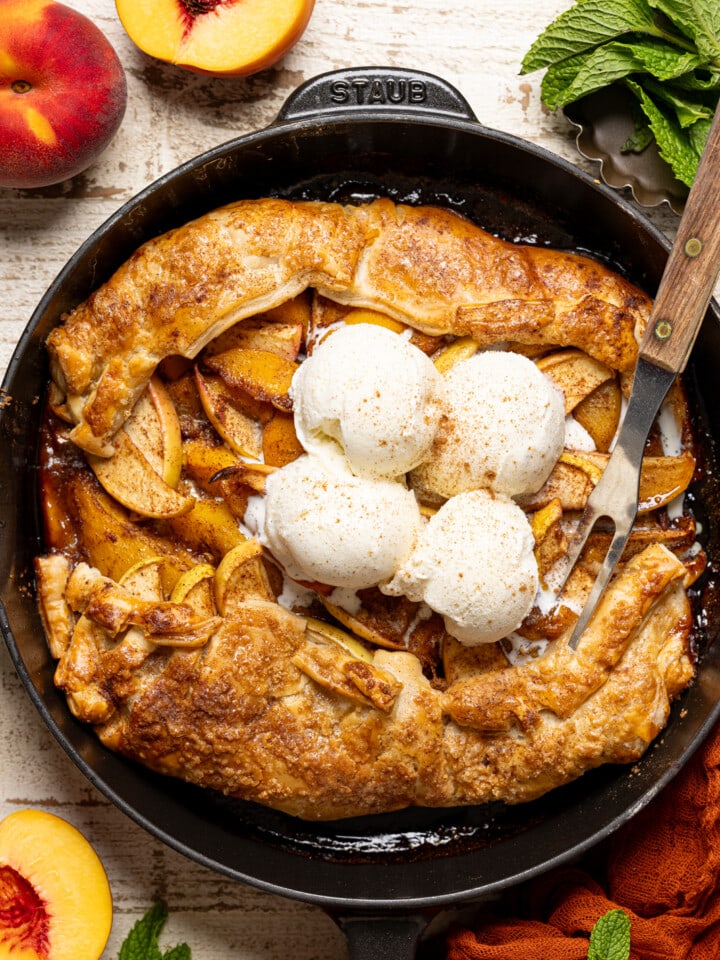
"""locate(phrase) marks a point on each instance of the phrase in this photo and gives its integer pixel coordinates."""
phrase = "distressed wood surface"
(172, 116)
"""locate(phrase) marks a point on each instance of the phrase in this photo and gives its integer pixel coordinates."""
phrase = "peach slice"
(320, 630)
(599, 413)
(550, 540)
(296, 310)
(144, 579)
(196, 589)
(575, 474)
(280, 441)
(374, 317)
(204, 460)
(364, 630)
(55, 896)
(240, 577)
(219, 37)
(210, 528)
(664, 478)
(131, 480)
(257, 333)
(460, 349)
(114, 544)
(154, 428)
(575, 373)
(261, 373)
(241, 433)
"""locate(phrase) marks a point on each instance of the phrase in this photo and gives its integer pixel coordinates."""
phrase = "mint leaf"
(142, 941)
(666, 51)
(180, 952)
(698, 134)
(579, 76)
(610, 937)
(587, 25)
(639, 140)
(674, 146)
(662, 60)
(687, 110)
(699, 19)
(703, 82)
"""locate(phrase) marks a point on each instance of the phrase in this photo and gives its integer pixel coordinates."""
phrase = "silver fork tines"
(616, 494)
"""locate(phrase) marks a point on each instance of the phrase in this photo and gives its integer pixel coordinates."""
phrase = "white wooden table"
(172, 116)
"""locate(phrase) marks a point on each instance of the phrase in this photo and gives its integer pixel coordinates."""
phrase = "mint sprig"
(610, 937)
(141, 942)
(665, 52)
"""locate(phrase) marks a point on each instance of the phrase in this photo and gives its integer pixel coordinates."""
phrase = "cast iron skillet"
(352, 135)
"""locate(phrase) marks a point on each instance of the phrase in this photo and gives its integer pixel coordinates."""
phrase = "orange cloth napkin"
(663, 869)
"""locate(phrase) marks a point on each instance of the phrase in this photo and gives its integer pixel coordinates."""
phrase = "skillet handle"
(381, 936)
(377, 90)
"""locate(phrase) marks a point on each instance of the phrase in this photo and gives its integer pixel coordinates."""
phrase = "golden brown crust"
(425, 266)
(243, 716)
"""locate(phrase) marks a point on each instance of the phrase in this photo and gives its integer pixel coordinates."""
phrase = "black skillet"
(351, 135)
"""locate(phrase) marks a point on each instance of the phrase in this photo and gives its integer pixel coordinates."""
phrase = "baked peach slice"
(262, 374)
(55, 896)
(154, 428)
(112, 542)
(219, 37)
(240, 577)
(241, 432)
(280, 441)
(196, 589)
(575, 373)
(599, 413)
(258, 333)
(129, 477)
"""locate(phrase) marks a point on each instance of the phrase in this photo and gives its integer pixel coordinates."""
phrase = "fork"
(682, 299)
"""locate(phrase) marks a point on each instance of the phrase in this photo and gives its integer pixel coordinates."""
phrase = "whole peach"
(63, 92)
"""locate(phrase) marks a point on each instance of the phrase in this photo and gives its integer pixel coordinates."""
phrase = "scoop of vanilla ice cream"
(502, 427)
(474, 564)
(371, 391)
(321, 522)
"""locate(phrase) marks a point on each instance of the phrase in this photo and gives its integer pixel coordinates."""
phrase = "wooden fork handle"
(692, 267)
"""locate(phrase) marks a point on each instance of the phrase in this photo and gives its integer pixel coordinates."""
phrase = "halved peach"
(219, 37)
(56, 899)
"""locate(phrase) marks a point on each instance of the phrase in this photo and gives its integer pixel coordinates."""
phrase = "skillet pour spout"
(349, 136)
